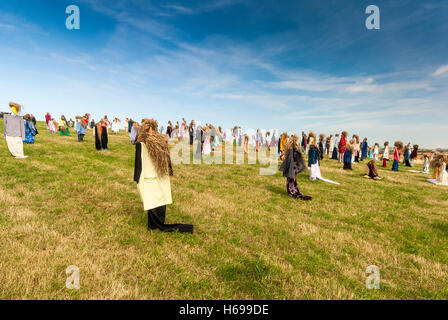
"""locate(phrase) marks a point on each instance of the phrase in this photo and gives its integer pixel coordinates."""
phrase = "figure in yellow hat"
(14, 128)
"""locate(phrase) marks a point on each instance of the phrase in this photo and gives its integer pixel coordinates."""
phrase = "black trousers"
(156, 220)
(191, 140)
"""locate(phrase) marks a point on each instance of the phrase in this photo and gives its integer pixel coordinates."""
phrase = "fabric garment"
(321, 150)
(47, 118)
(386, 153)
(200, 139)
(384, 163)
(30, 132)
(342, 145)
(407, 158)
(115, 127)
(442, 177)
(334, 155)
(51, 127)
(293, 164)
(101, 138)
(81, 137)
(376, 152)
(347, 160)
(313, 155)
(154, 191)
(14, 126)
(80, 129)
(169, 131)
(425, 166)
(130, 125)
(365, 147)
(134, 135)
(64, 131)
(206, 148)
(293, 190)
(246, 146)
(315, 174)
(156, 220)
(395, 165)
(15, 146)
(373, 174)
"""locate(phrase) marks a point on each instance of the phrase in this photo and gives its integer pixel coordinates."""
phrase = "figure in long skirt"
(152, 173)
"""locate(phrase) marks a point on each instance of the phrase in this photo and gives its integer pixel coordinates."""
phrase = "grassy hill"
(68, 204)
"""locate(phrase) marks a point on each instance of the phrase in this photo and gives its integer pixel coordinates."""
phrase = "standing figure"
(385, 154)
(125, 125)
(321, 146)
(246, 144)
(398, 147)
(407, 155)
(414, 154)
(342, 146)
(169, 129)
(116, 126)
(334, 154)
(348, 154)
(283, 145)
(356, 149)
(313, 162)
(14, 131)
(63, 127)
(304, 142)
(425, 164)
(376, 151)
(134, 133)
(152, 171)
(330, 148)
(101, 138)
(48, 119)
(365, 148)
(30, 129)
(291, 166)
(81, 128)
(200, 139)
(191, 132)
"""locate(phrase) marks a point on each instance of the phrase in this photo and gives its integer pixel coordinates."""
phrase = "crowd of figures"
(153, 162)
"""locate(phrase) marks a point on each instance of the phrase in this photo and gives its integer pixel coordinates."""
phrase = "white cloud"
(442, 71)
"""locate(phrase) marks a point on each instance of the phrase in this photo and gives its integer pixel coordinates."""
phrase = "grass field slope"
(68, 204)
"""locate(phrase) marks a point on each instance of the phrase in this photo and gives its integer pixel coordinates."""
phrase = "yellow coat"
(154, 191)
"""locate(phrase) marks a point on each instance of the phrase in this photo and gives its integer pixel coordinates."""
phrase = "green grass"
(68, 204)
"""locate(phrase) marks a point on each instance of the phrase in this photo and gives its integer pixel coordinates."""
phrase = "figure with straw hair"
(342, 146)
(14, 131)
(385, 154)
(291, 166)
(152, 173)
(398, 147)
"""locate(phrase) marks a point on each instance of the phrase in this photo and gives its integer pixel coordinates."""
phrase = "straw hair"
(15, 105)
(293, 143)
(439, 159)
(399, 145)
(157, 146)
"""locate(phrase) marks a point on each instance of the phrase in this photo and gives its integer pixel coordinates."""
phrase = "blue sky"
(291, 65)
